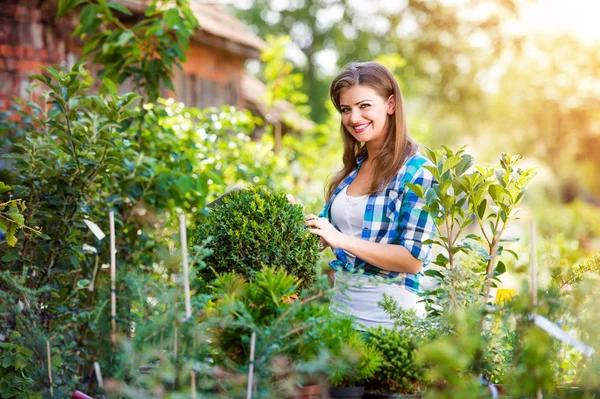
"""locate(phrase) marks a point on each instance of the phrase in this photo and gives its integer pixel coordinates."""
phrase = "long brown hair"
(397, 146)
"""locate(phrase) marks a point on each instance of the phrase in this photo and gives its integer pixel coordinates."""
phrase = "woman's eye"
(344, 110)
(365, 105)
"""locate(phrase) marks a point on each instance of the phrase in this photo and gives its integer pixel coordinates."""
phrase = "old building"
(213, 75)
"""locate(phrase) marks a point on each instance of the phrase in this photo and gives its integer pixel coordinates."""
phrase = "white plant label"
(95, 229)
(562, 335)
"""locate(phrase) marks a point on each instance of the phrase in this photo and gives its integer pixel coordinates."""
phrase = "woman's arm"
(415, 227)
(392, 257)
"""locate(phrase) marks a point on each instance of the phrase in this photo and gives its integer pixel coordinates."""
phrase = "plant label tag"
(562, 335)
(95, 229)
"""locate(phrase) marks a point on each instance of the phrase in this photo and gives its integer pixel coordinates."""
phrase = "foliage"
(146, 52)
(353, 33)
(301, 336)
(570, 275)
(254, 228)
(399, 372)
(354, 360)
(282, 83)
(553, 122)
(488, 196)
(450, 358)
(15, 368)
(71, 147)
(11, 219)
(77, 156)
(196, 154)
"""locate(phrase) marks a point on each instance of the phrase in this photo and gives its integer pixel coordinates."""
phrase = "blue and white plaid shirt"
(393, 216)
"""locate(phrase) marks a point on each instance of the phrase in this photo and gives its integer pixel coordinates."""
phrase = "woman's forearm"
(392, 257)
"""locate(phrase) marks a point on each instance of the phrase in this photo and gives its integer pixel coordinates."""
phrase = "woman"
(372, 221)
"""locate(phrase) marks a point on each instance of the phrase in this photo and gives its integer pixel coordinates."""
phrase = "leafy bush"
(354, 361)
(489, 197)
(254, 228)
(290, 347)
(399, 372)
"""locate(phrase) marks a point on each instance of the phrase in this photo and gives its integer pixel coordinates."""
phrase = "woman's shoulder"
(414, 167)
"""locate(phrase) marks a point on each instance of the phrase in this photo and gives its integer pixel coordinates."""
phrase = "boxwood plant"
(253, 228)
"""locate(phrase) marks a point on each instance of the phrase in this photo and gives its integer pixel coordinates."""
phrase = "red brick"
(11, 64)
(29, 66)
(7, 26)
(25, 35)
(6, 81)
(43, 54)
(6, 50)
(31, 53)
(8, 10)
(21, 12)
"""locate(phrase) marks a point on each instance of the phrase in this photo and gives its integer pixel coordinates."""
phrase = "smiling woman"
(375, 225)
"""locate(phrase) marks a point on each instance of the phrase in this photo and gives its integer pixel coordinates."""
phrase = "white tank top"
(357, 294)
(348, 214)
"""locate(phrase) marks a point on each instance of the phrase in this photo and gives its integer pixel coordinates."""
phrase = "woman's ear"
(391, 103)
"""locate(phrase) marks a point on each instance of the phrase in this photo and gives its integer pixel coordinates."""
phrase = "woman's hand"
(330, 236)
(323, 241)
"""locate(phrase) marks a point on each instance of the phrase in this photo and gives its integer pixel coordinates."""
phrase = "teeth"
(361, 126)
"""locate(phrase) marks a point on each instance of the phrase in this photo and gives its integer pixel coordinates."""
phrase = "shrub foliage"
(253, 228)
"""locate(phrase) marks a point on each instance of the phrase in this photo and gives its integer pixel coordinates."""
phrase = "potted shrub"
(253, 228)
(288, 353)
(399, 376)
(353, 362)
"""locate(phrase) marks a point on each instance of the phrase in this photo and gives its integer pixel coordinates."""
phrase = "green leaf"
(172, 17)
(473, 237)
(9, 257)
(124, 37)
(481, 208)
(110, 86)
(25, 351)
(451, 163)
(64, 6)
(464, 164)
(513, 253)
(88, 17)
(14, 215)
(120, 8)
(4, 188)
(74, 260)
(500, 269)
(417, 189)
(20, 362)
(434, 273)
(82, 283)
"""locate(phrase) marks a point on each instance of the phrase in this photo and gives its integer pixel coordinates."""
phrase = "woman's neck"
(373, 150)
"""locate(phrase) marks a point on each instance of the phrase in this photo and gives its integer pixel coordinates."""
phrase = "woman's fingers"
(291, 198)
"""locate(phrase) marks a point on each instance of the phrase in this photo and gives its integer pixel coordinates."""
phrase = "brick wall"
(29, 37)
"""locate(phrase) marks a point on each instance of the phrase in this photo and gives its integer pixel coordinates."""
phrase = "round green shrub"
(253, 228)
(399, 373)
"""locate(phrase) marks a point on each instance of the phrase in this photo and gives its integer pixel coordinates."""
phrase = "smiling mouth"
(361, 128)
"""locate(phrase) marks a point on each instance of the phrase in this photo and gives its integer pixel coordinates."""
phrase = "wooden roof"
(217, 28)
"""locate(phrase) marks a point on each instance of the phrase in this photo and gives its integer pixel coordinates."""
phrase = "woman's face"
(365, 113)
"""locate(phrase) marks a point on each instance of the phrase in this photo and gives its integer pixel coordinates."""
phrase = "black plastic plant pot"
(347, 393)
(375, 395)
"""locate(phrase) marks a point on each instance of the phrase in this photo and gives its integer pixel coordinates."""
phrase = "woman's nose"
(355, 116)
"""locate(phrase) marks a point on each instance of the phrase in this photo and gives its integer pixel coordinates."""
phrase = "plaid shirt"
(393, 216)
